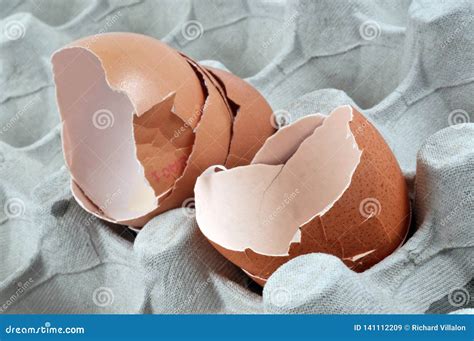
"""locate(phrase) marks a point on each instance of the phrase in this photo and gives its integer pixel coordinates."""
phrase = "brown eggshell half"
(140, 123)
(251, 116)
(211, 144)
(109, 88)
(328, 185)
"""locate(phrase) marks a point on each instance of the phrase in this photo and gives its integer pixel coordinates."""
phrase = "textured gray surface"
(408, 65)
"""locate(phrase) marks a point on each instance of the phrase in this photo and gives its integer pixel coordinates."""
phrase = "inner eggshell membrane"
(98, 135)
(262, 206)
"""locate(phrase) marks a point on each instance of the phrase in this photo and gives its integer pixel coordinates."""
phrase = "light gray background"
(407, 64)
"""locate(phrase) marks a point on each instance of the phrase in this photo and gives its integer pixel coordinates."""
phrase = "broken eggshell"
(322, 184)
(142, 121)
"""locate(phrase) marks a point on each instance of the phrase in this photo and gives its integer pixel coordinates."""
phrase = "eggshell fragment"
(327, 185)
(251, 112)
(140, 123)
